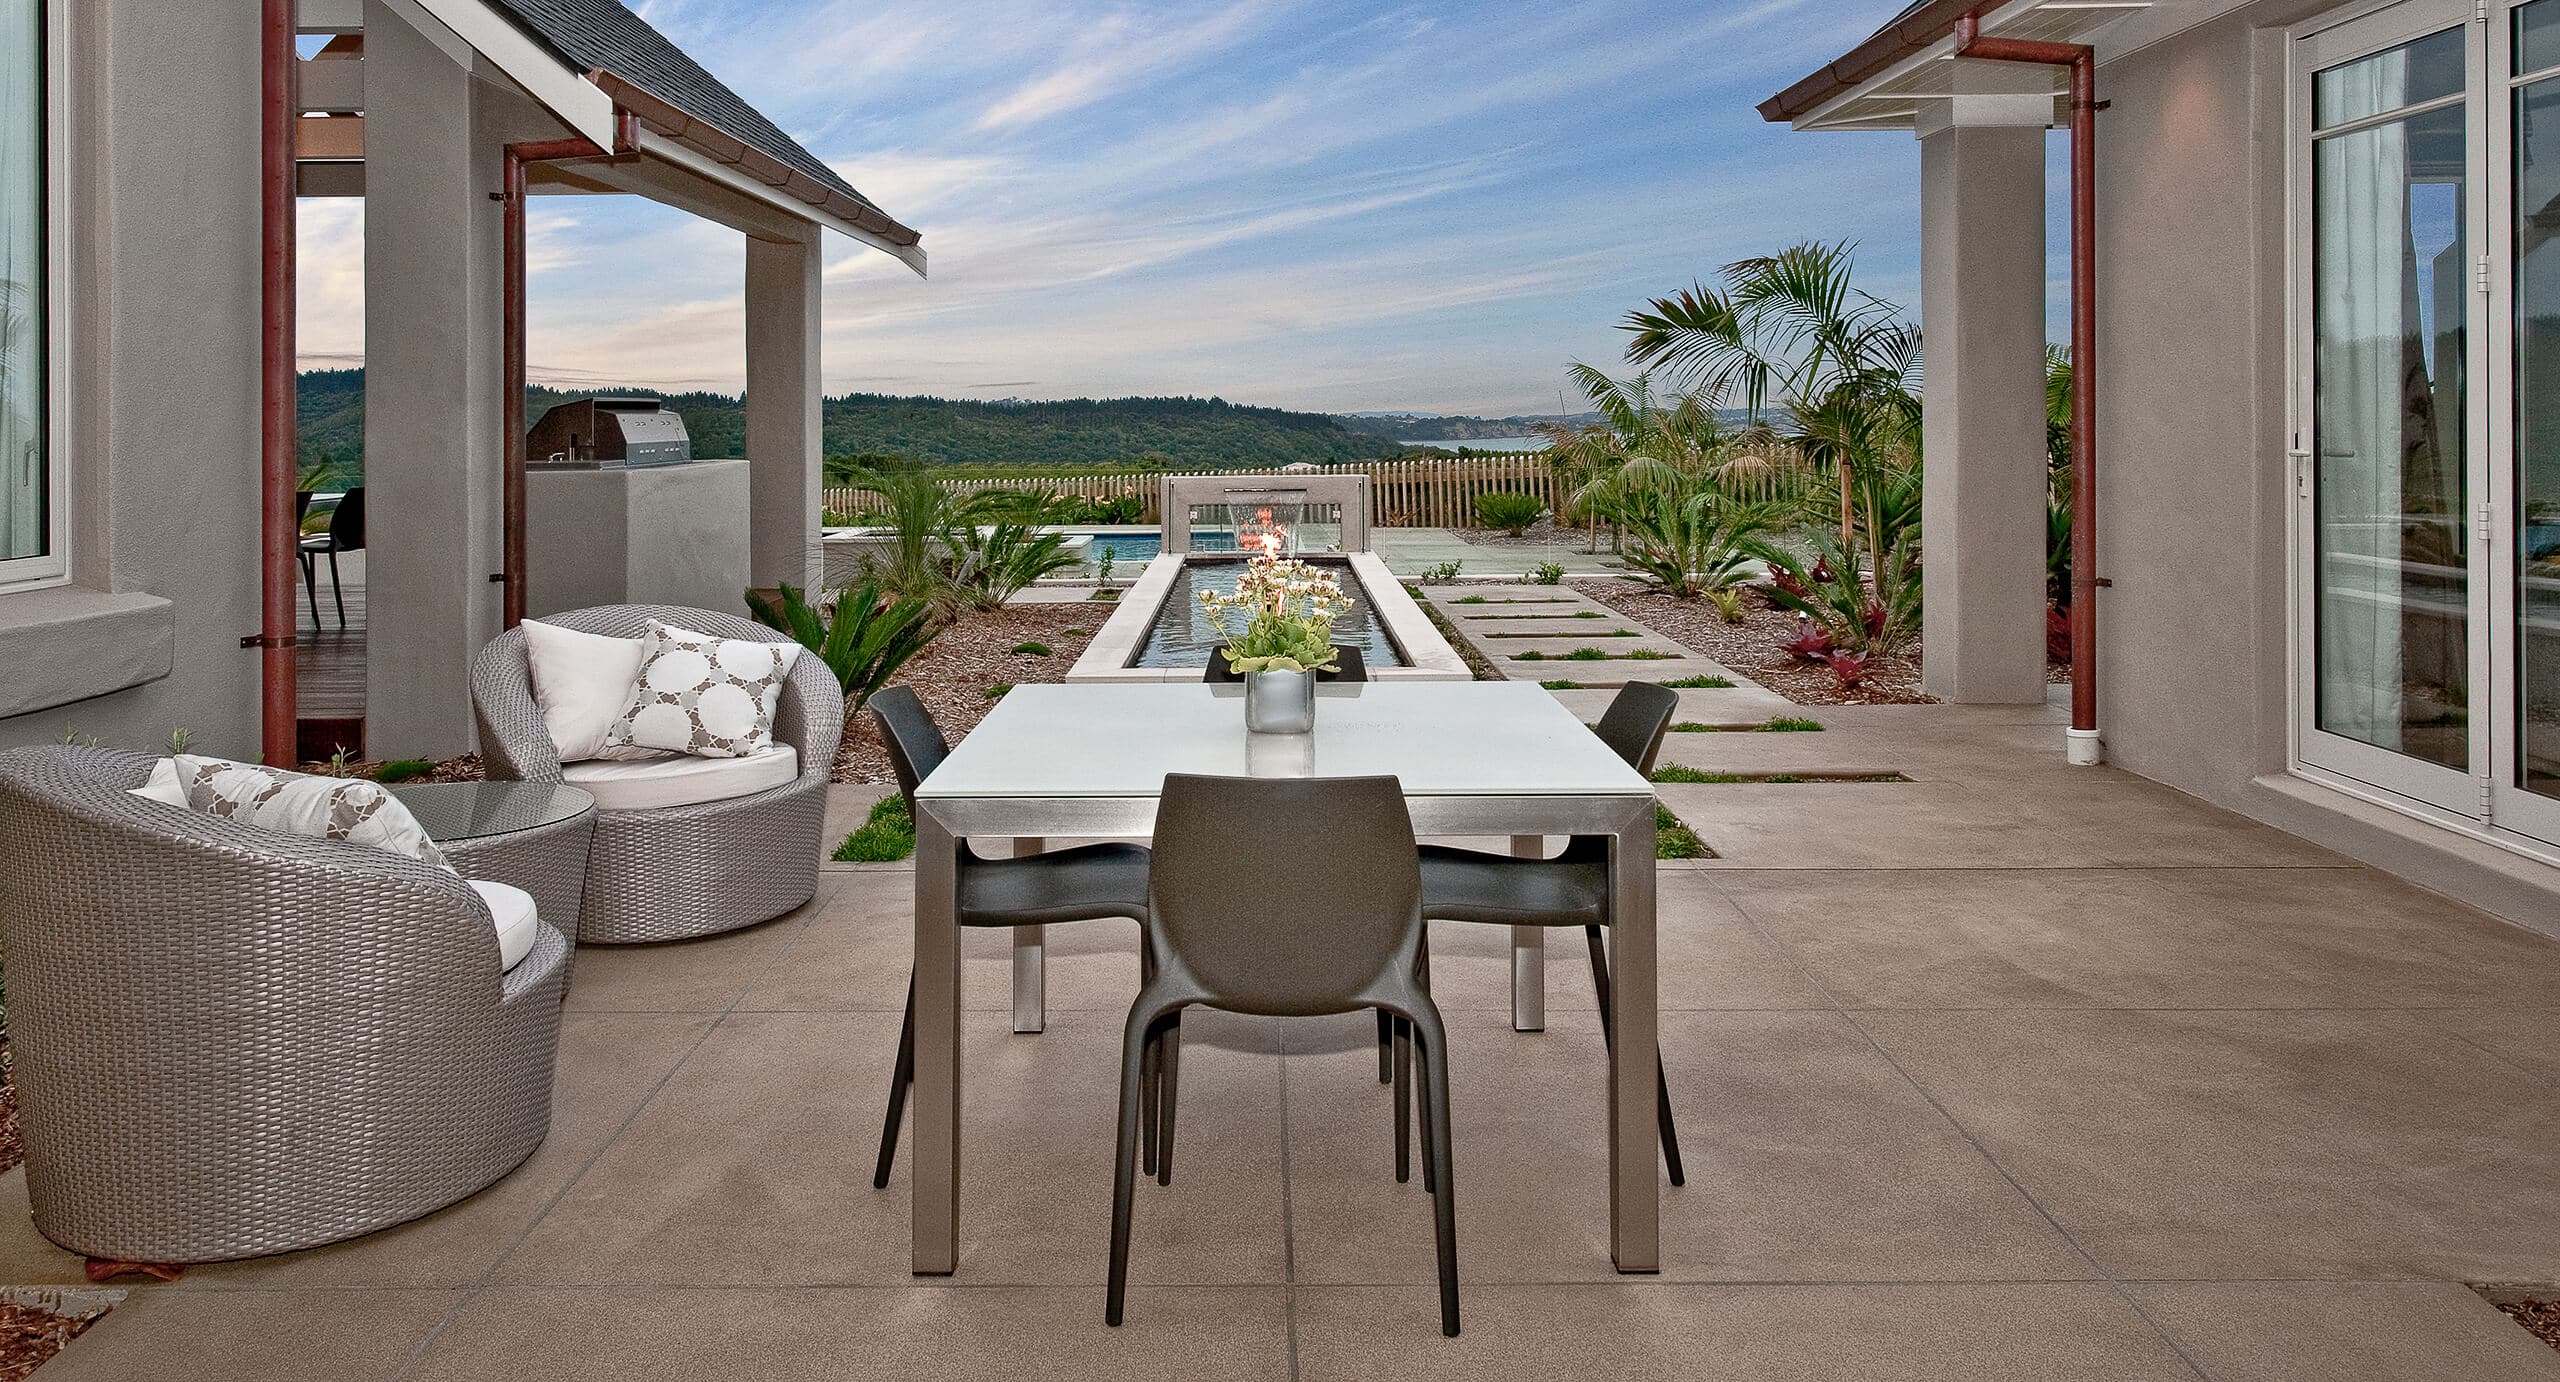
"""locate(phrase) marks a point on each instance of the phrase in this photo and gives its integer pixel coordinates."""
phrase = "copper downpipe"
(2085, 583)
(518, 157)
(279, 532)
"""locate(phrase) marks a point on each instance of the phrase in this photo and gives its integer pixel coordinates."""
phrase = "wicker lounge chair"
(232, 1041)
(676, 872)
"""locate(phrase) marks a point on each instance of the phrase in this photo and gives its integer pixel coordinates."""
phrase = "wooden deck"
(329, 676)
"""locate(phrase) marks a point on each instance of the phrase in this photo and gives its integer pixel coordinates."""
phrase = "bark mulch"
(12, 1150)
(1543, 533)
(29, 1335)
(2540, 1316)
(1755, 647)
(465, 768)
(953, 675)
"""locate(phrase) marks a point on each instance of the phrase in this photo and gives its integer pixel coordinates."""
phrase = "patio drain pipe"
(2085, 746)
(279, 532)
(518, 157)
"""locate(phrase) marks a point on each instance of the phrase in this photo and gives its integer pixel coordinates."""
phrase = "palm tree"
(1792, 329)
(1642, 436)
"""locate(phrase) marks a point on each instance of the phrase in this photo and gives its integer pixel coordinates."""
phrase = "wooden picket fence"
(1402, 494)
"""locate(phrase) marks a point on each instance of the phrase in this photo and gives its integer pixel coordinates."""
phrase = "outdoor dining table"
(1088, 761)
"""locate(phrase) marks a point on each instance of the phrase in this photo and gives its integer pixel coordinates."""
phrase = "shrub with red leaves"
(1852, 669)
(2057, 633)
(1810, 644)
(1785, 582)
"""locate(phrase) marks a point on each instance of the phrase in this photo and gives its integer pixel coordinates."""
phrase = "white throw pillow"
(164, 786)
(583, 683)
(704, 696)
(329, 808)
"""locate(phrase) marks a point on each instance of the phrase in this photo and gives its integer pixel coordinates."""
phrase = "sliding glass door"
(2525, 567)
(2384, 493)
(2427, 483)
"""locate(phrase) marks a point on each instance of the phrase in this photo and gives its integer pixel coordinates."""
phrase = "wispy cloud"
(1113, 52)
(1301, 202)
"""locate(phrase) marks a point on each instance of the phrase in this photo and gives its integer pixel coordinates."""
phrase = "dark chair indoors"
(1350, 666)
(1569, 890)
(1081, 884)
(346, 534)
(1351, 940)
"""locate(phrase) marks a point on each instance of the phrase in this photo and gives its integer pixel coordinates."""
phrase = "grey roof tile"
(591, 34)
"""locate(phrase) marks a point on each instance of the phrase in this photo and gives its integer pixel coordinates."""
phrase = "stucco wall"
(2195, 425)
(161, 186)
(2192, 414)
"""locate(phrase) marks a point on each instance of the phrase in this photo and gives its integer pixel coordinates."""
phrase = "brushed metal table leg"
(1529, 956)
(1030, 961)
(935, 1101)
(1635, 1226)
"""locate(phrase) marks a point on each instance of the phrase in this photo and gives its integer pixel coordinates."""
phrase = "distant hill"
(1198, 432)
(1431, 428)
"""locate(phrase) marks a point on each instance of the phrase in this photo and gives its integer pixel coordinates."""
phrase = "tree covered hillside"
(1081, 431)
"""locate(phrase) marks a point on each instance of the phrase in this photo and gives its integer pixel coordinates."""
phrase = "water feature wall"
(1157, 633)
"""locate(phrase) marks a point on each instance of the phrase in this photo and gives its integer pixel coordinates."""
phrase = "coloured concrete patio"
(2009, 1071)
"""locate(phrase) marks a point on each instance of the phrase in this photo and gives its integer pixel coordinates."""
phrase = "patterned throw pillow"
(704, 696)
(328, 808)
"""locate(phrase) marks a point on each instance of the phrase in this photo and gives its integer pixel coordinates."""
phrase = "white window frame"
(54, 567)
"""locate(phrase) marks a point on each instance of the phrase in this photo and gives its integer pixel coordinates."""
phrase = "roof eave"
(764, 174)
(1892, 44)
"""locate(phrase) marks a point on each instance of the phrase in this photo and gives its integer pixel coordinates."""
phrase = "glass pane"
(2391, 253)
(2537, 231)
(2410, 75)
(2537, 36)
(23, 530)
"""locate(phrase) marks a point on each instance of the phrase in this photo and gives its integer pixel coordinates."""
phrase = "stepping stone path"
(1504, 621)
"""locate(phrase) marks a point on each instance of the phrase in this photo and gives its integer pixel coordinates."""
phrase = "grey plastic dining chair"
(1350, 939)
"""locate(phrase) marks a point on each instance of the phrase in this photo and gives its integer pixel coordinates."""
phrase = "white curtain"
(2367, 307)
(22, 362)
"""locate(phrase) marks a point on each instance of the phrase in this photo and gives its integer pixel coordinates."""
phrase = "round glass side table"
(530, 835)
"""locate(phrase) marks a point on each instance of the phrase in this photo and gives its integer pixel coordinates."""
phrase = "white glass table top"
(1501, 739)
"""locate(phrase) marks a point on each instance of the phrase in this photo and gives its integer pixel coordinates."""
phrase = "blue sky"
(1306, 204)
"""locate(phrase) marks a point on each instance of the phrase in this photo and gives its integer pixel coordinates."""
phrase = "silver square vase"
(1280, 702)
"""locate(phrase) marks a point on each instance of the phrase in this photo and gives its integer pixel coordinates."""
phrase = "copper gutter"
(1903, 38)
(726, 149)
(279, 532)
(626, 140)
(2085, 583)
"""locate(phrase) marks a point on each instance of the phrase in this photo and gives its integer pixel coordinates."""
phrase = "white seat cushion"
(680, 779)
(513, 911)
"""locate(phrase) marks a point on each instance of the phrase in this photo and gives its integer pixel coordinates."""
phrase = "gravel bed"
(1755, 647)
(954, 673)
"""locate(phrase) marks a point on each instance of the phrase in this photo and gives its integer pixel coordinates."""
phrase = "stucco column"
(1982, 244)
(432, 484)
(784, 457)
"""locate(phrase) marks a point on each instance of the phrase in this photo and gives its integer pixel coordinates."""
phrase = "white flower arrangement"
(1287, 609)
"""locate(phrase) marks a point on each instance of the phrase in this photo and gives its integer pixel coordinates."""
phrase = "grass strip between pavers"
(1673, 839)
(1687, 776)
(887, 837)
